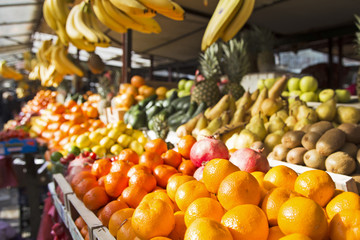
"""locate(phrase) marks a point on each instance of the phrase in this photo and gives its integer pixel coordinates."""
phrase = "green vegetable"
(144, 102)
(152, 111)
(137, 119)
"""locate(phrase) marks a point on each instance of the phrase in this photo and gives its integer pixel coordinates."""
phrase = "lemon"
(116, 149)
(120, 125)
(99, 150)
(137, 133)
(83, 141)
(142, 140)
(95, 136)
(114, 133)
(128, 131)
(104, 131)
(106, 142)
(137, 147)
(124, 140)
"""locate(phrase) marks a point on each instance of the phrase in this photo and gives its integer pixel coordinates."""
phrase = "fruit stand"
(241, 149)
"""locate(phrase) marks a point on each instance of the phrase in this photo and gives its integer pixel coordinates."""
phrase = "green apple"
(308, 84)
(181, 84)
(169, 92)
(308, 97)
(269, 82)
(343, 95)
(183, 93)
(285, 94)
(326, 94)
(188, 85)
(260, 84)
(295, 93)
(293, 84)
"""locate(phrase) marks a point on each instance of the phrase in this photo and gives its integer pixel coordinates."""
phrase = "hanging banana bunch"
(62, 63)
(9, 72)
(55, 14)
(228, 18)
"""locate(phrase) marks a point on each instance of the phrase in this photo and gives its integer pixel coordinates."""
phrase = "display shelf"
(342, 182)
(60, 208)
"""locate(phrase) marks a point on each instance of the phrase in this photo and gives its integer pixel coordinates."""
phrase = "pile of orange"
(148, 197)
(58, 122)
(40, 101)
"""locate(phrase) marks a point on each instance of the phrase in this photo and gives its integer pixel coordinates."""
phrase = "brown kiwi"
(331, 141)
(321, 127)
(340, 162)
(292, 139)
(280, 152)
(356, 177)
(296, 155)
(309, 140)
(314, 160)
(352, 132)
(306, 128)
(350, 149)
(358, 157)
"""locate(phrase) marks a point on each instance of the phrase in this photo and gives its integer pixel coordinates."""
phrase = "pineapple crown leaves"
(235, 59)
(264, 38)
(210, 63)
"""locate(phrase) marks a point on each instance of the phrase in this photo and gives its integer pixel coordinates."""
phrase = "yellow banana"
(49, 18)
(59, 10)
(61, 32)
(176, 13)
(93, 23)
(157, 5)
(69, 65)
(133, 7)
(119, 16)
(239, 20)
(83, 44)
(71, 30)
(79, 21)
(55, 59)
(104, 16)
(221, 18)
(150, 24)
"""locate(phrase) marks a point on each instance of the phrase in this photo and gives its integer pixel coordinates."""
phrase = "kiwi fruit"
(309, 140)
(356, 177)
(306, 128)
(296, 155)
(340, 162)
(350, 149)
(314, 160)
(352, 132)
(292, 139)
(358, 157)
(331, 141)
(280, 152)
(321, 127)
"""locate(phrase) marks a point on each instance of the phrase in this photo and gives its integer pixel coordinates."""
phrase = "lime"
(74, 150)
(55, 156)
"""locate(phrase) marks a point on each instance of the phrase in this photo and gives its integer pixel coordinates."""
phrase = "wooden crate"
(342, 182)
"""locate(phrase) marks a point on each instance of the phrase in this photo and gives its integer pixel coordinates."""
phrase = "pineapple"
(207, 90)
(103, 89)
(265, 43)
(235, 66)
(358, 50)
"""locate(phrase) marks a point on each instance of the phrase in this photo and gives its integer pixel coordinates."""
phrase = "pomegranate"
(250, 160)
(207, 149)
(198, 174)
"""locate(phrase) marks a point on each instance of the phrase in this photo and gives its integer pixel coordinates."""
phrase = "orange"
(101, 181)
(158, 195)
(76, 118)
(80, 223)
(179, 230)
(128, 154)
(185, 144)
(133, 195)
(345, 225)
(303, 215)
(316, 185)
(153, 218)
(148, 91)
(137, 81)
(150, 160)
(143, 179)
(188, 192)
(204, 207)
(280, 176)
(260, 178)
(273, 201)
(121, 166)
(246, 221)
(95, 198)
(80, 176)
(162, 174)
(76, 109)
(295, 236)
(172, 158)
(69, 104)
(187, 167)
(275, 233)
(343, 201)
(84, 186)
(84, 231)
(91, 112)
(156, 145)
(138, 168)
(239, 188)
(126, 231)
(58, 108)
(115, 183)
(215, 171)
(124, 87)
(109, 209)
(118, 218)
(160, 238)
(175, 182)
(101, 167)
(132, 90)
(206, 228)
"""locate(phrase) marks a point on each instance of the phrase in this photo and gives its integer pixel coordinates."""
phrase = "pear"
(256, 126)
(294, 106)
(230, 142)
(301, 123)
(276, 124)
(281, 113)
(306, 112)
(271, 141)
(348, 114)
(245, 139)
(290, 122)
(327, 110)
(270, 106)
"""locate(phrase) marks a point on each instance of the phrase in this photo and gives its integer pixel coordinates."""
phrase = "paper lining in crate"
(114, 115)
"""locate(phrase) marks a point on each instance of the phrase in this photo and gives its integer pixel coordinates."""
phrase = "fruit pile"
(40, 101)
(151, 196)
(8, 134)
